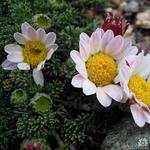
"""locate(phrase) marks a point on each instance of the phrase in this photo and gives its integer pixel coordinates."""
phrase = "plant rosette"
(41, 103)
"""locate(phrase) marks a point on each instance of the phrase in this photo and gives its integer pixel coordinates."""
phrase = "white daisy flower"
(97, 64)
(36, 47)
(135, 80)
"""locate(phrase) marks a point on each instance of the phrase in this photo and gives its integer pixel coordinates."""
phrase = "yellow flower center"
(34, 52)
(101, 69)
(141, 88)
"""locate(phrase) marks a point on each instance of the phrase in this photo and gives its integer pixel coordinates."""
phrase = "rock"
(113, 11)
(127, 136)
(131, 7)
(129, 31)
(144, 45)
(143, 19)
(116, 2)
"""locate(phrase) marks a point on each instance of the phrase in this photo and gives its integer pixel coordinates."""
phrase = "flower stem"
(59, 141)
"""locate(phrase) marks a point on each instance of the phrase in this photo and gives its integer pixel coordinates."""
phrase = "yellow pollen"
(141, 88)
(101, 69)
(34, 52)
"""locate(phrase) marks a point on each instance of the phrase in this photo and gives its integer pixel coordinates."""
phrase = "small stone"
(131, 7)
(116, 2)
(129, 31)
(127, 136)
(143, 19)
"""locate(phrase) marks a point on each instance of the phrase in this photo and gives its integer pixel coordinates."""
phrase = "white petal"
(41, 65)
(49, 55)
(84, 46)
(103, 98)
(95, 42)
(100, 31)
(84, 38)
(114, 46)
(15, 58)
(31, 34)
(138, 115)
(123, 75)
(141, 68)
(82, 70)
(23, 66)
(75, 55)
(38, 77)
(133, 50)
(50, 38)
(114, 91)
(13, 49)
(52, 46)
(41, 35)
(147, 116)
(24, 27)
(89, 88)
(106, 38)
(20, 38)
(77, 81)
(124, 50)
(7, 65)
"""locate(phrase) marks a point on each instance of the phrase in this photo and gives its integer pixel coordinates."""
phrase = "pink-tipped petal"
(23, 66)
(77, 81)
(114, 46)
(13, 49)
(100, 32)
(24, 27)
(31, 33)
(82, 70)
(103, 98)
(20, 38)
(84, 38)
(95, 42)
(114, 91)
(75, 55)
(41, 35)
(7, 65)
(138, 115)
(106, 38)
(38, 77)
(89, 88)
(84, 45)
(50, 38)
(15, 58)
(125, 49)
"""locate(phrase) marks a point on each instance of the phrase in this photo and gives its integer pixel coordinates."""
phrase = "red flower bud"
(115, 23)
